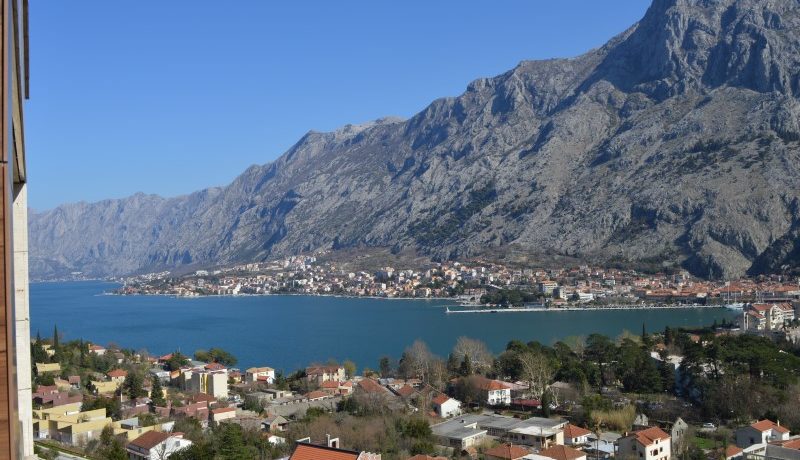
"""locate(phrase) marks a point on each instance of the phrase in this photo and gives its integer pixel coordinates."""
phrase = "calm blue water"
(289, 332)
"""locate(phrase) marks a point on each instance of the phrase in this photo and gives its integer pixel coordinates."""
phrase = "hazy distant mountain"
(678, 141)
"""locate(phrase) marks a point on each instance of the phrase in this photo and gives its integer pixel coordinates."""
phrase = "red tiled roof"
(765, 425)
(223, 410)
(371, 386)
(330, 384)
(571, 431)
(650, 435)
(732, 451)
(508, 451)
(489, 384)
(316, 395)
(312, 452)
(117, 373)
(792, 444)
(440, 399)
(150, 439)
(406, 391)
(559, 452)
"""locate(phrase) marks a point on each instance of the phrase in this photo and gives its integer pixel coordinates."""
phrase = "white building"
(648, 444)
(761, 432)
(446, 407)
(155, 445)
(255, 374)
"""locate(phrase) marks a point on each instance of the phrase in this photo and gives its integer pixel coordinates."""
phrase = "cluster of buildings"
(467, 281)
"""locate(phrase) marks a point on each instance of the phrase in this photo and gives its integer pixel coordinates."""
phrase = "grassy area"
(704, 443)
(60, 448)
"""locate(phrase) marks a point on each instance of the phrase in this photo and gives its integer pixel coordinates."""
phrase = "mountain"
(676, 143)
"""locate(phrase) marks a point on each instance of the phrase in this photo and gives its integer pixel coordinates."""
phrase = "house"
(732, 452)
(766, 316)
(493, 392)
(156, 445)
(506, 452)
(317, 395)
(304, 450)
(214, 383)
(117, 376)
(761, 432)
(97, 349)
(259, 374)
(647, 444)
(534, 431)
(274, 424)
(458, 433)
(445, 406)
(319, 374)
(575, 435)
(223, 413)
(103, 387)
(48, 368)
(68, 424)
(559, 452)
(678, 433)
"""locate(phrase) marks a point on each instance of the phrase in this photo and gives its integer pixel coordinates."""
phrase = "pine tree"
(157, 393)
(466, 366)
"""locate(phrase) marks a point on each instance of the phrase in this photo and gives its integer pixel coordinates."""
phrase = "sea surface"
(288, 332)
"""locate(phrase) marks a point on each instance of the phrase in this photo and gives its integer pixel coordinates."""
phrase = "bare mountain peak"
(676, 143)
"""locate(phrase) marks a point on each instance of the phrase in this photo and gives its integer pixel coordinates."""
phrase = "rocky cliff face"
(676, 142)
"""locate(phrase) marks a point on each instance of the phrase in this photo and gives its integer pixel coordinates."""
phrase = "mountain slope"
(676, 142)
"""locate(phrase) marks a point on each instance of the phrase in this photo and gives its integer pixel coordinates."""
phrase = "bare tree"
(417, 360)
(536, 370)
(479, 355)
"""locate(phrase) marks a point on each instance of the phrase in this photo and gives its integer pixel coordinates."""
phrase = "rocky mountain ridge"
(676, 143)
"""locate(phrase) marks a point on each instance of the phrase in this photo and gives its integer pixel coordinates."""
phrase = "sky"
(169, 97)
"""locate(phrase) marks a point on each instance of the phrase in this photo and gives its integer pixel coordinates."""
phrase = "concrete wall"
(22, 318)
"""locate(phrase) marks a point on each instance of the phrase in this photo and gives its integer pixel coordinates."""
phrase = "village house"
(305, 450)
(575, 435)
(117, 376)
(493, 392)
(68, 424)
(223, 413)
(559, 452)
(505, 452)
(319, 374)
(760, 317)
(647, 444)
(761, 432)
(274, 424)
(445, 406)
(259, 374)
(155, 445)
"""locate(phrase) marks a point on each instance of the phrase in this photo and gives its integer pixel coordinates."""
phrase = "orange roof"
(650, 435)
(150, 439)
(316, 395)
(792, 444)
(371, 386)
(406, 391)
(559, 452)
(489, 384)
(440, 399)
(117, 373)
(765, 425)
(732, 451)
(223, 410)
(508, 451)
(330, 384)
(571, 431)
(311, 452)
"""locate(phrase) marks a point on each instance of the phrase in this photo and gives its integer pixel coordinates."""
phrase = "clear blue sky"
(169, 97)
